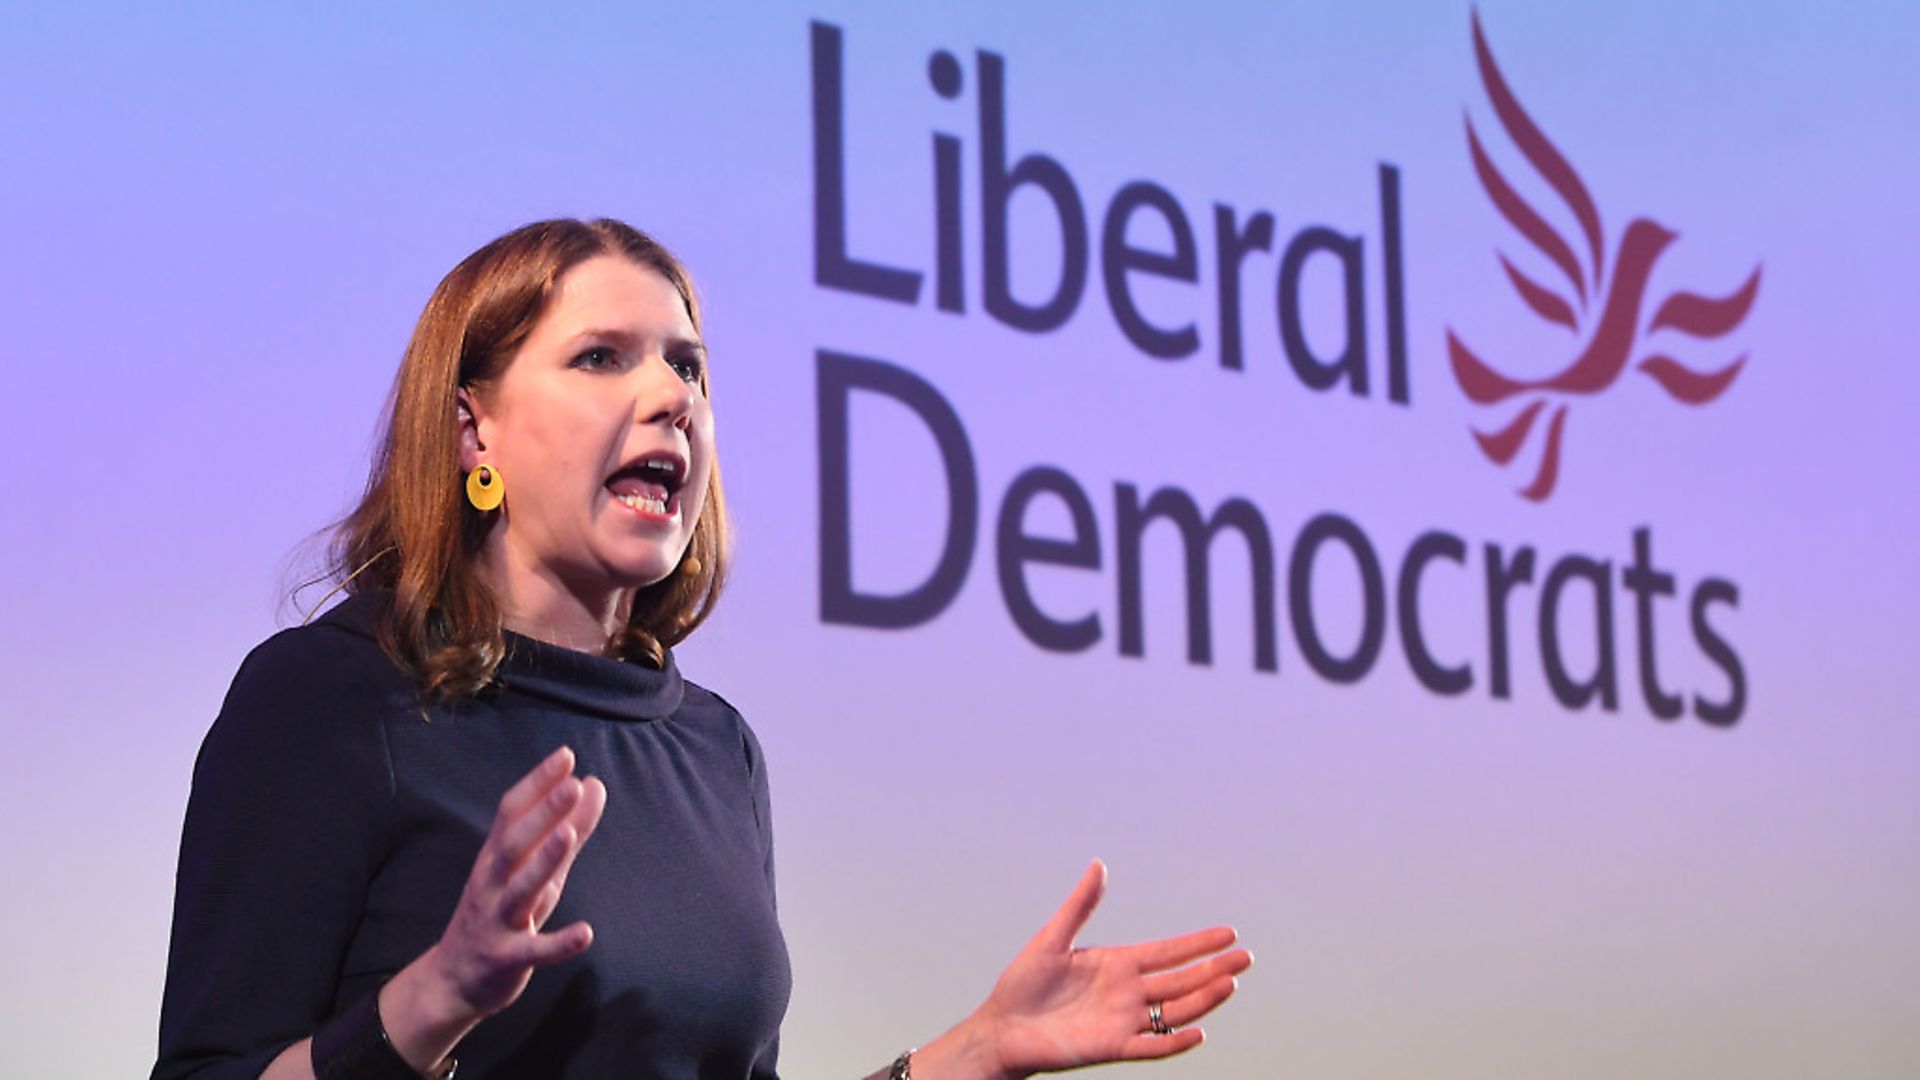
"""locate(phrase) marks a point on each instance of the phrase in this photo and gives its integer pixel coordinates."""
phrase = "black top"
(332, 827)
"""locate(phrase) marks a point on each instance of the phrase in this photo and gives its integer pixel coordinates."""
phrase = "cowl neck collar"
(588, 683)
(583, 682)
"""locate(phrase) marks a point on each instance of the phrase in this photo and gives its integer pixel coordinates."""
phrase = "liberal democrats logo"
(1600, 306)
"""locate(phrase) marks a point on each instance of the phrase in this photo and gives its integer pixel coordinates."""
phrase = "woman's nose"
(664, 396)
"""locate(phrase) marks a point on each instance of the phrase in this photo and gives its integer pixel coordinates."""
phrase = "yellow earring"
(486, 488)
(690, 566)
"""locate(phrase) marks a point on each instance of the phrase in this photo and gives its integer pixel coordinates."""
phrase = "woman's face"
(601, 434)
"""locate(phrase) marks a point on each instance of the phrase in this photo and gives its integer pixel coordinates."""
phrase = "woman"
(543, 522)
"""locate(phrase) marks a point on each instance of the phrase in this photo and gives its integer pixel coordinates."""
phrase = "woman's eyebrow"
(627, 339)
(623, 338)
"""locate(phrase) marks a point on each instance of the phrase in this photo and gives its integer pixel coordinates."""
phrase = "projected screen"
(1431, 486)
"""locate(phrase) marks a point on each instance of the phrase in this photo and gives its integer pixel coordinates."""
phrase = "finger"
(533, 786)
(523, 890)
(1174, 951)
(586, 814)
(563, 944)
(1172, 984)
(544, 903)
(526, 834)
(1181, 1011)
(1058, 934)
(1148, 1047)
(584, 819)
(524, 795)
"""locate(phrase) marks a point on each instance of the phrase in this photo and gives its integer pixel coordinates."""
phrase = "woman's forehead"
(617, 295)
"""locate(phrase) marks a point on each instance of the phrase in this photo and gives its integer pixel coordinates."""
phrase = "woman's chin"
(639, 572)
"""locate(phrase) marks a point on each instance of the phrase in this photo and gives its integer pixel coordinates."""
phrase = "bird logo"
(1601, 307)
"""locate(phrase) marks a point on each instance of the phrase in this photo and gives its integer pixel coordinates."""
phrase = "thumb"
(1065, 925)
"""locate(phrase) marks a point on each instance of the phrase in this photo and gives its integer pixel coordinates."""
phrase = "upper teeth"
(658, 463)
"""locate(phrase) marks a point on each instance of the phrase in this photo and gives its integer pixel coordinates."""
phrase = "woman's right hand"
(497, 937)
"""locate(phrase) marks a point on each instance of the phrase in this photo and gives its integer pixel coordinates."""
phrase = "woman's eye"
(597, 358)
(687, 367)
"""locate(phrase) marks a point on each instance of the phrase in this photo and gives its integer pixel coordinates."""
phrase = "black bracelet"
(354, 1046)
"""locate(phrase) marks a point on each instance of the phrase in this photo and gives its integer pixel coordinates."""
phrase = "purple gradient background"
(220, 224)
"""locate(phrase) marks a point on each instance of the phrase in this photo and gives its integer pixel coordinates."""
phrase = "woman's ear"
(472, 447)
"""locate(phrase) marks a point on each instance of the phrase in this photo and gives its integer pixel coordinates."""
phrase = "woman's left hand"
(1059, 1007)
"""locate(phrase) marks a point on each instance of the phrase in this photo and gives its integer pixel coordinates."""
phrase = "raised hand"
(1059, 1007)
(483, 961)
(497, 934)
(495, 939)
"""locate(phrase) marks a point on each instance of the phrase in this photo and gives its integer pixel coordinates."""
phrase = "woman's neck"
(536, 602)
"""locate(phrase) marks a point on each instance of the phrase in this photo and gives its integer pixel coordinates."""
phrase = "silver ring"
(1154, 1021)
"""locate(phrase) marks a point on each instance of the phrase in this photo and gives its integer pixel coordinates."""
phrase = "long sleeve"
(285, 827)
(333, 822)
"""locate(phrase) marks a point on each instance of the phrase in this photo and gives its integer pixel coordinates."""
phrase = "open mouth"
(651, 484)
